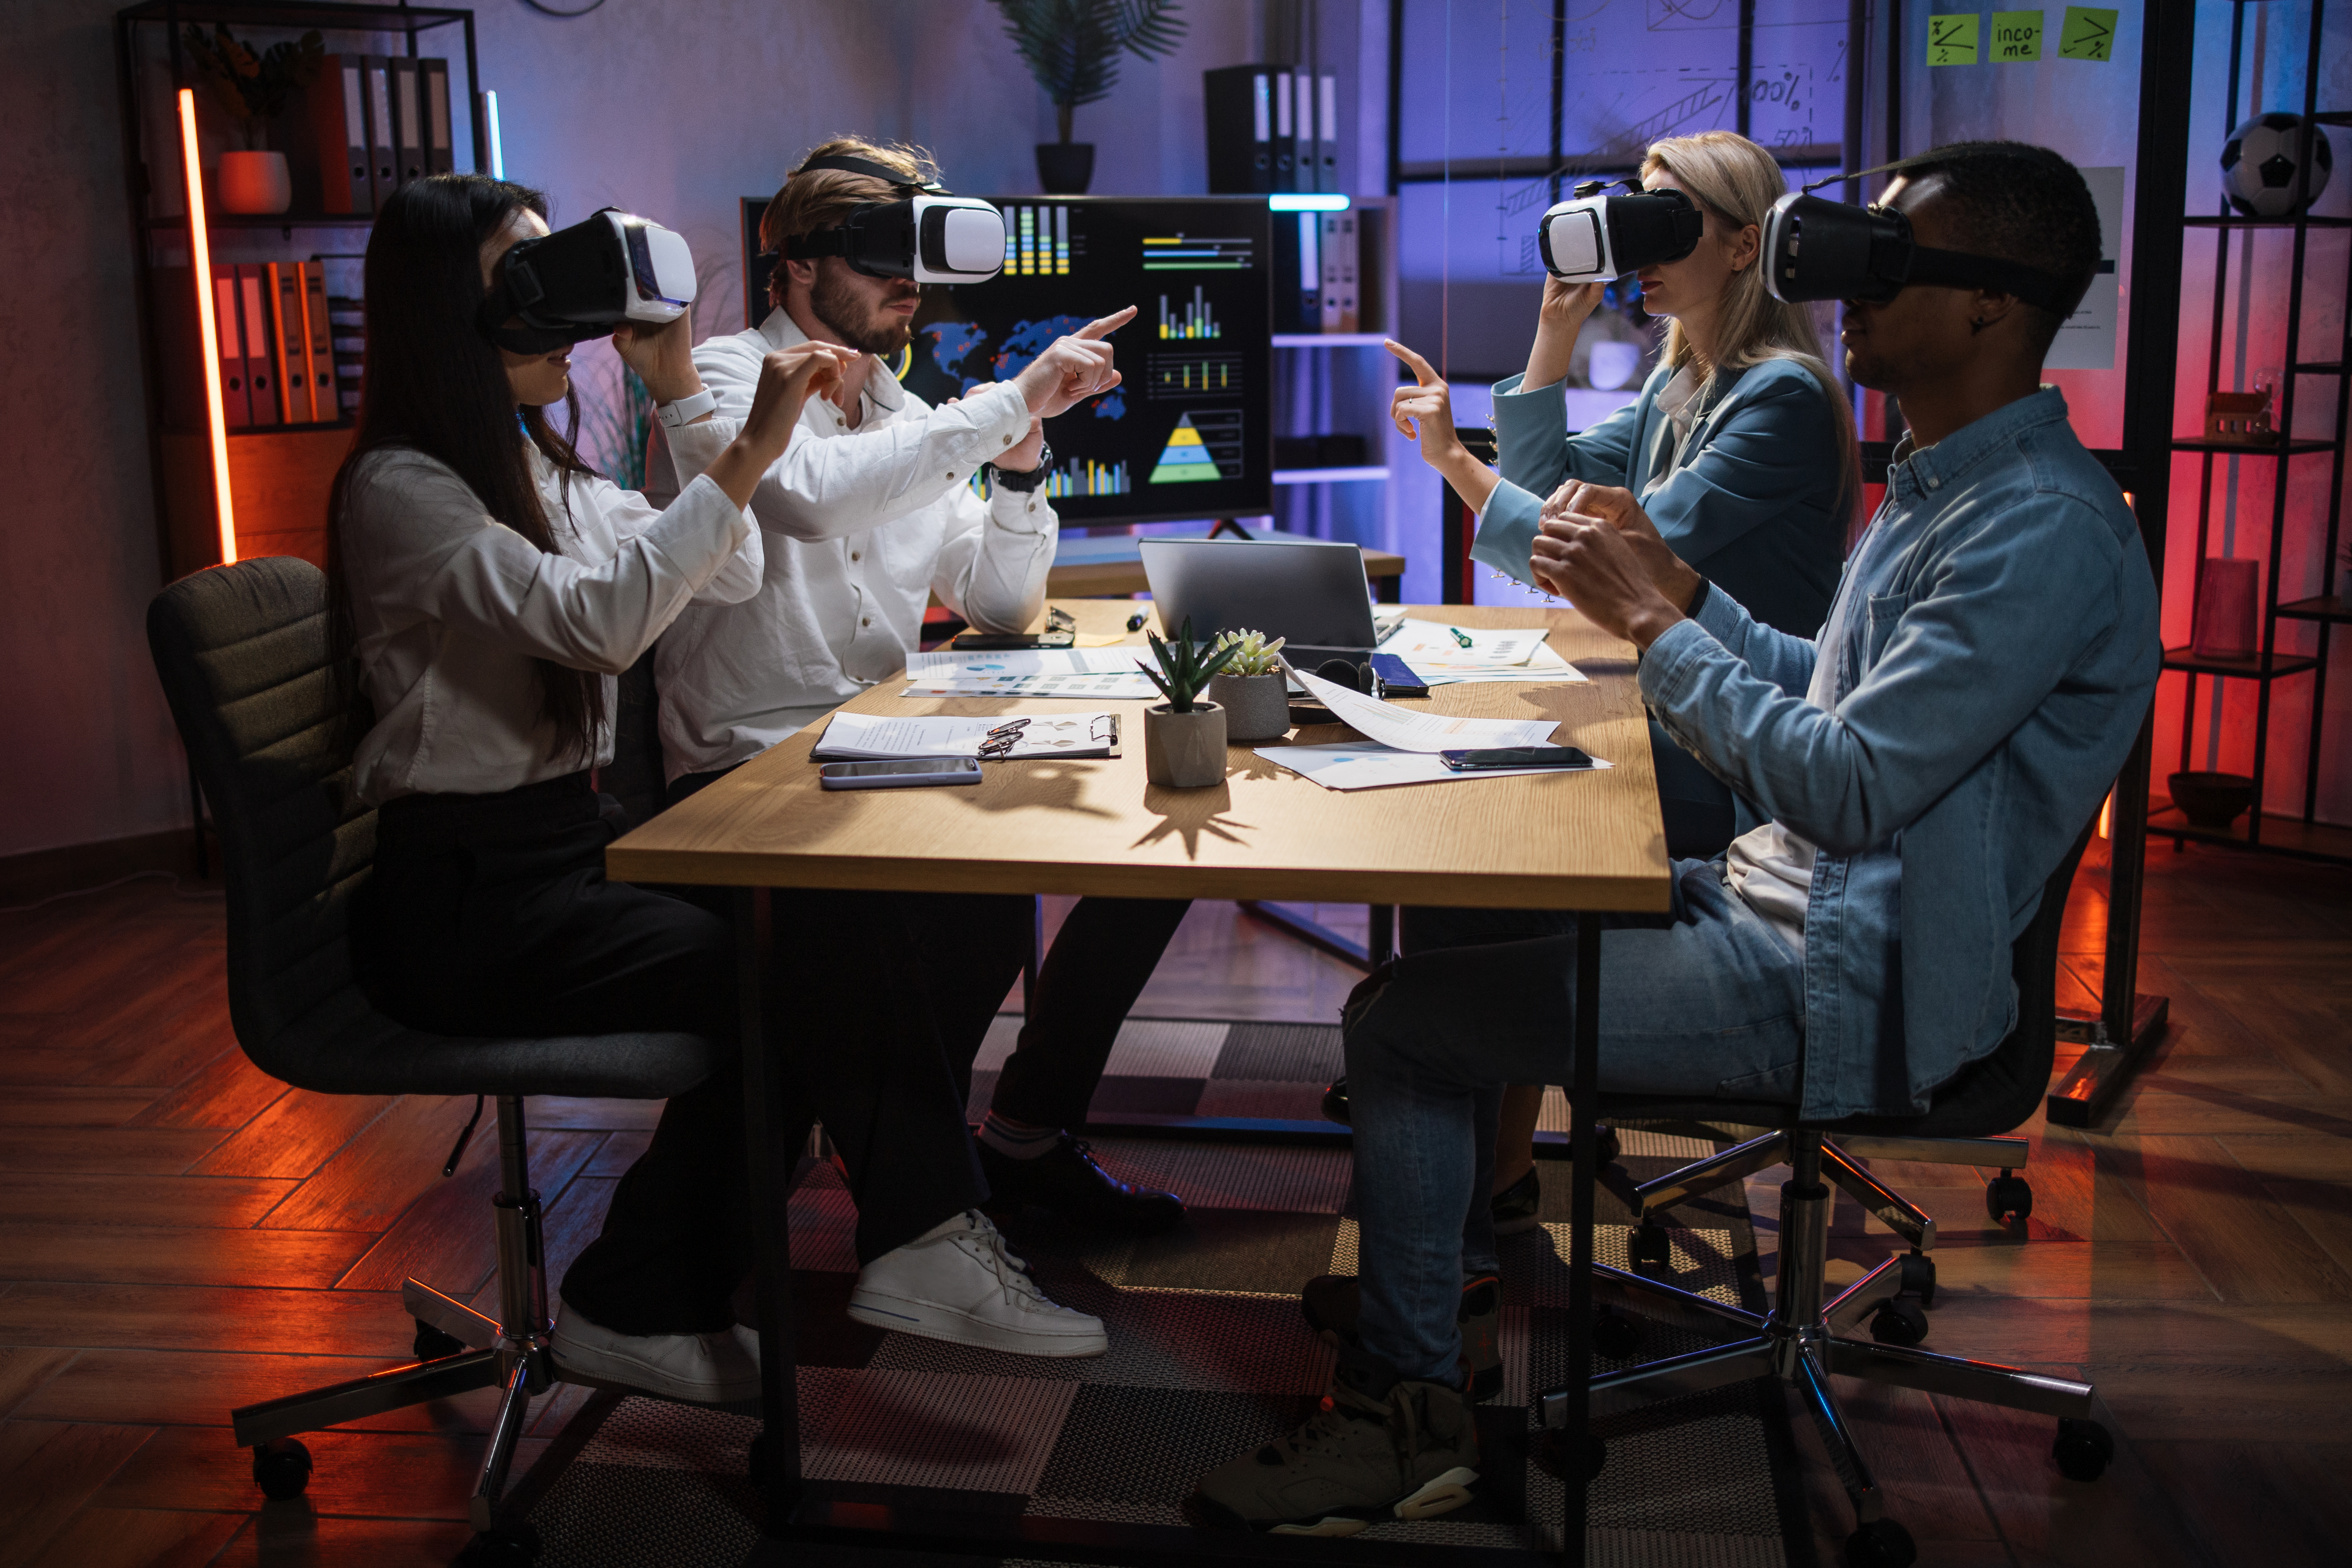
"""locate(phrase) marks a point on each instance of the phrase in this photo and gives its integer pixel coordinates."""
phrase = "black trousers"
(972, 945)
(491, 915)
(1100, 963)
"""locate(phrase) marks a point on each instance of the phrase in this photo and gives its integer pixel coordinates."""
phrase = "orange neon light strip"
(200, 262)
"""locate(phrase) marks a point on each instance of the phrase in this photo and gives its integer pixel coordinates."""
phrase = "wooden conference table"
(1587, 841)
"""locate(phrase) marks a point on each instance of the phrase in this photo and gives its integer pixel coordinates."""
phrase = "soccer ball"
(2258, 166)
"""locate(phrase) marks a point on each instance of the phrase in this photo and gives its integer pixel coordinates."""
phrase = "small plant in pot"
(1184, 737)
(253, 88)
(1072, 47)
(1252, 689)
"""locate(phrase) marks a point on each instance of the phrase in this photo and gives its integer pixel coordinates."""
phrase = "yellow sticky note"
(1952, 40)
(2089, 34)
(2016, 37)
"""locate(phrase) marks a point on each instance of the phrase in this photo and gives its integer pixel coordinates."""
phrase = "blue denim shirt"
(1754, 505)
(1997, 656)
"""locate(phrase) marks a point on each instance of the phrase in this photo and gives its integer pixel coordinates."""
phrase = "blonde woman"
(1740, 449)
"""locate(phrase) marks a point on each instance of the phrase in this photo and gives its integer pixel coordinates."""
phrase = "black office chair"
(1805, 1340)
(243, 654)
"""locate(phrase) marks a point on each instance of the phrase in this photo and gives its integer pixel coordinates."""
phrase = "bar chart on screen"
(1183, 253)
(1187, 376)
(1195, 321)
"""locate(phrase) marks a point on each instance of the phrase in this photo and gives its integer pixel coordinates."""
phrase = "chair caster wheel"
(1649, 1244)
(2008, 1199)
(282, 1469)
(1608, 1147)
(1881, 1543)
(1596, 1455)
(1919, 1277)
(1335, 1102)
(503, 1546)
(1615, 1335)
(1898, 1322)
(432, 1344)
(2083, 1449)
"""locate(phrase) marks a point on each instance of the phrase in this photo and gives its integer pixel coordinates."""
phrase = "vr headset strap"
(846, 164)
(834, 241)
(1958, 270)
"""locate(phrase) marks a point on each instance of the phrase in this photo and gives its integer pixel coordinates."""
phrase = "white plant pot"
(254, 183)
(1184, 751)
(1257, 706)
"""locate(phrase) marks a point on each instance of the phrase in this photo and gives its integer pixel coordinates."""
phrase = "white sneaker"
(957, 1282)
(701, 1369)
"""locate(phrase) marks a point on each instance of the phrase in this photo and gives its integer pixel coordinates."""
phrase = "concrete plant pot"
(1184, 751)
(1257, 706)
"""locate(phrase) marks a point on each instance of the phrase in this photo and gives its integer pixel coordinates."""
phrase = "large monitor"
(1191, 434)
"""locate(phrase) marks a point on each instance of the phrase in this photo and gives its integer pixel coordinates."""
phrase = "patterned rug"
(1209, 1356)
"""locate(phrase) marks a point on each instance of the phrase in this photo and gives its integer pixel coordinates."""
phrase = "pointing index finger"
(1107, 324)
(1421, 368)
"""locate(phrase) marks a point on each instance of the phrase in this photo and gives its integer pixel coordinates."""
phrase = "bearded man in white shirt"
(863, 524)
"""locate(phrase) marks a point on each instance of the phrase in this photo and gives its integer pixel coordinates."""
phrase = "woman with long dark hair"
(494, 585)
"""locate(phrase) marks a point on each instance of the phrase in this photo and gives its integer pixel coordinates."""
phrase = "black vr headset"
(1815, 248)
(582, 281)
(930, 235)
(1595, 238)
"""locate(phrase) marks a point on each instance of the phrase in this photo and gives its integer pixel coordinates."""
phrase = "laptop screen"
(1312, 593)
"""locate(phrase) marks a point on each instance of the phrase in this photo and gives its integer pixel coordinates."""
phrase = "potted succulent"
(254, 89)
(1184, 737)
(1252, 688)
(1072, 47)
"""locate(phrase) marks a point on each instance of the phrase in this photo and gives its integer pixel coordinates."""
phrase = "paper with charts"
(1367, 764)
(874, 737)
(1095, 673)
(1437, 652)
(1411, 732)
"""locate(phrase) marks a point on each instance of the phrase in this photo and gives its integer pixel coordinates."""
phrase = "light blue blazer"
(1754, 506)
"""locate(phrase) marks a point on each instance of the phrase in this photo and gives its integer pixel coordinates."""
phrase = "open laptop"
(1311, 592)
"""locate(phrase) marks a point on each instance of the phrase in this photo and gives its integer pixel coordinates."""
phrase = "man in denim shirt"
(1986, 667)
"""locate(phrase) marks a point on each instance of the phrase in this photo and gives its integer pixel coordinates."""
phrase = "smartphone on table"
(900, 773)
(1499, 757)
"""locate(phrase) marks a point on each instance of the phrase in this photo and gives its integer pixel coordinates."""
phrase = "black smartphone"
(1396, 677)
(1516, 757)
(1001, 642)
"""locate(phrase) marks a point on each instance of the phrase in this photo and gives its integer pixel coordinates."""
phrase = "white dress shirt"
(451, 608)
(863, 527)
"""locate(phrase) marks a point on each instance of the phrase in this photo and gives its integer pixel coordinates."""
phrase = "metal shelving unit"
(2271, 664)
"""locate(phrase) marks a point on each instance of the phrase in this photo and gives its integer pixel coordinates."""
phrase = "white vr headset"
(1595, 238)
(582, 281)
(931, 236)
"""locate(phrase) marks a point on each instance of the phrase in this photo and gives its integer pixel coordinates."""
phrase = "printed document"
(1408, 731)
(1100, 672)
(1367, 764)
(1438, 656)
(871, 737)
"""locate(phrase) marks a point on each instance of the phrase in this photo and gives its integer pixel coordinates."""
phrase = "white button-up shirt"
(451, 608)
(863, 527)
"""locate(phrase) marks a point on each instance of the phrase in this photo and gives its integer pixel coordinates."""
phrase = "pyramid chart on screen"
(1185, 458)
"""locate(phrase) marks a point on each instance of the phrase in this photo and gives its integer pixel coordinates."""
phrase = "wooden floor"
(179, 1235)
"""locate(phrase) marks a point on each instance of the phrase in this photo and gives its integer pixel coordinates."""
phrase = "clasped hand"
(1599, 549)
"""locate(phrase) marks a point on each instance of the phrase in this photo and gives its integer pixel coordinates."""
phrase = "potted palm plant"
(1072, 47)
(253, 88)
(1184, 737)
(1252, 689)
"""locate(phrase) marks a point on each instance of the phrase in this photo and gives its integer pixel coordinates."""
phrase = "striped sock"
(1018, 1140)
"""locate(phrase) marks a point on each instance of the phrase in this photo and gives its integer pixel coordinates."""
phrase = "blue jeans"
(1706, 1000)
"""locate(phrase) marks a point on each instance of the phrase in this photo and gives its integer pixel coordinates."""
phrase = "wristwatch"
(686, 410)
(1021, 483)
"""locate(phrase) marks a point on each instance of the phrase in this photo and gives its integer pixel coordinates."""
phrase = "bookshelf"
(277, 476)
(2327, 379)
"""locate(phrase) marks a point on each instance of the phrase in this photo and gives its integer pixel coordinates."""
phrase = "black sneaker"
(1332, 1302)
(1069, 1182)
(1335, 1102)
(1517, 1207)
(1409, 1453)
